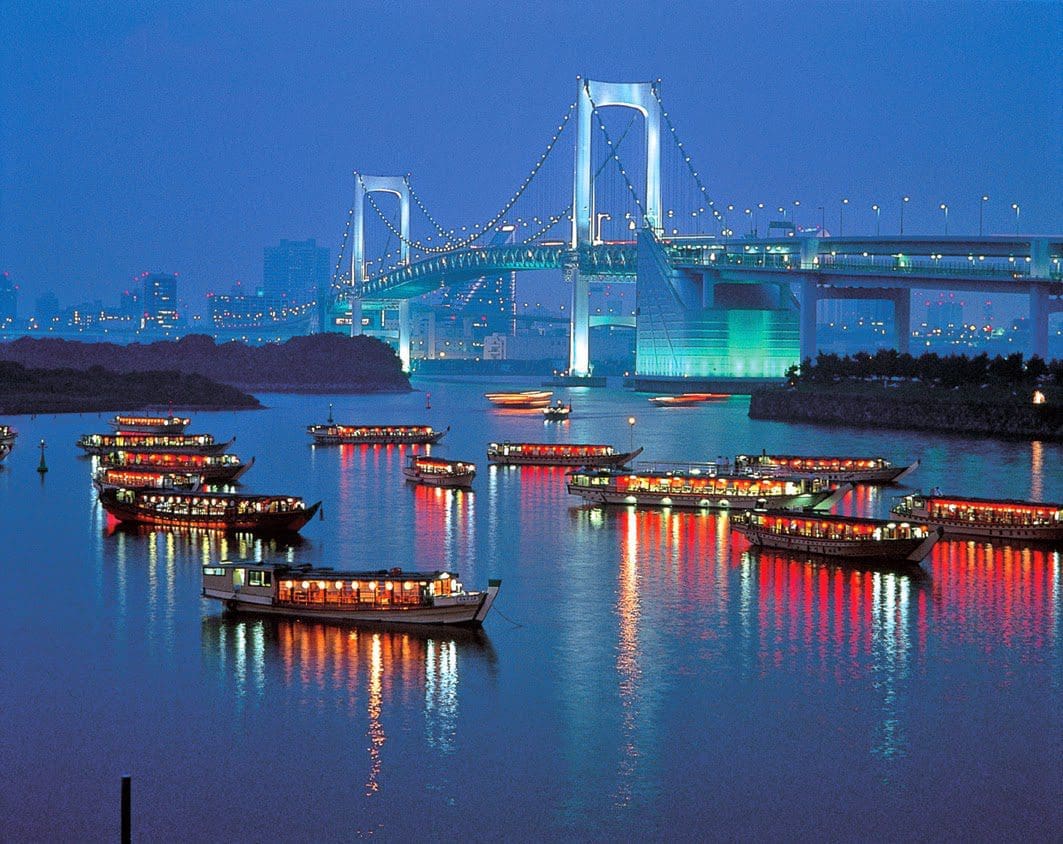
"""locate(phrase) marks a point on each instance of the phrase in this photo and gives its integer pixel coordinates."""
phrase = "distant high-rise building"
(296, 271)
(8, 300)
(159, 300)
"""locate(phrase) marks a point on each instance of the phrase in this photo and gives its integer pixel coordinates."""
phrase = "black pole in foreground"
(126, 801)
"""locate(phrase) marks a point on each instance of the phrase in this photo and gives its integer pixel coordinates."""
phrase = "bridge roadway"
(822, 268)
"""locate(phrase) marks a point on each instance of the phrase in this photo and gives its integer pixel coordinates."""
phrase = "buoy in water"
(42, 467)
(427, 401)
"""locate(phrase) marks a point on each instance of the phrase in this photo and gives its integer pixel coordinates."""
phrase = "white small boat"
(434, 471)
(387, 595)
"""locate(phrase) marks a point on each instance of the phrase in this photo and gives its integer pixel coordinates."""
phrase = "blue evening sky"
(185, 137)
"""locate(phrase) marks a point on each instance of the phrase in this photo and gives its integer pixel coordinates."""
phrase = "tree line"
(951, 370)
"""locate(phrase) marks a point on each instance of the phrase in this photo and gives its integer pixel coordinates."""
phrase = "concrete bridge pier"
(809, 297)
(579, 331)
(902, 320)
(1039, 320)
(356, 316)
(404, 333)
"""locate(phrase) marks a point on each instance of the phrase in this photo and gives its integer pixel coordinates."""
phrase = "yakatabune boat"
(333, 434)
(984, 518)
(7, 435)
(558, 454)
(219, 511)
(693, 488)
(388, 595)
(213, 468)
(158, 443)
(686, 399)
(837, 536)
(526, 400)
(434, 471)
(145, 479)
(151, 424)
(857, 470)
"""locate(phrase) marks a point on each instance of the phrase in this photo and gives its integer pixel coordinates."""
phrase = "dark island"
(1000, 397)
(315, 364)
(26, 391)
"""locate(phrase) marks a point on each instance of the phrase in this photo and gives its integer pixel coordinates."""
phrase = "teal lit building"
(692, 326)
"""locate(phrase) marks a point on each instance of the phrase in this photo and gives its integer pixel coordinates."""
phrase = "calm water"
(644, 674)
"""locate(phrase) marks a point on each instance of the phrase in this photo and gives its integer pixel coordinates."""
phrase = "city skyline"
(146, 181)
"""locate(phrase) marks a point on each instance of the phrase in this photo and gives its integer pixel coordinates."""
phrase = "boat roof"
(229, 496)
(807, 457)
(550, 445)
(692, 472)
(964, 499)
(325, 572)
(824, 517)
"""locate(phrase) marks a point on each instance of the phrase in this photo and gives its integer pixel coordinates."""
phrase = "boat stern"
(921, 550)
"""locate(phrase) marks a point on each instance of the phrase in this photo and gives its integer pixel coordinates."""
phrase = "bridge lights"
(981, 206)
(945, 210)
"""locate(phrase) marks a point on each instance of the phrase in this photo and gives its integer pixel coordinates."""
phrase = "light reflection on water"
(658, 658)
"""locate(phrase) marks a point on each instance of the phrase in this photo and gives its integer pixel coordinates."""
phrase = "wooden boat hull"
(438, 479)
(266, 523)
(700, 501)
(910, 550)
(576, 461)
(460, 610)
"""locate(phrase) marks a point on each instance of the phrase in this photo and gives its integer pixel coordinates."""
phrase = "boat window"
(213, 571)
(238, 578)
(259, 578)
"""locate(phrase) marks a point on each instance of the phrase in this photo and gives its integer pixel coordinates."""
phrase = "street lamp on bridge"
(1015, 208)
(878, 218)
(981, 208)
(841, 217)
(756, 228)
(598, 217)
(945, 210)
(904, 201)
(797, 204)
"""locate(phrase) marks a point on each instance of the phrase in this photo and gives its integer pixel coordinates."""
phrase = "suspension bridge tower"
(592, 95)
(364, 187)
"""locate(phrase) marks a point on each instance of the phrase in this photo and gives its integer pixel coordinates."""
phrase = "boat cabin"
(507, 449)
(692, 483)
(324, 587)
(981, 510)
(793, 463)
(818, 526)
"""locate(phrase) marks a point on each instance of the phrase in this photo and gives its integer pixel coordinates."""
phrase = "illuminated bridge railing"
(422, 276)
(869, 266)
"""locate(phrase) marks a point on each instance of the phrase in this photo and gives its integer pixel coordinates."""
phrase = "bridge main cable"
(490, 224)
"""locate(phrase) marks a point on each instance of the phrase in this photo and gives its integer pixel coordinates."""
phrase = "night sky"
(185, 137)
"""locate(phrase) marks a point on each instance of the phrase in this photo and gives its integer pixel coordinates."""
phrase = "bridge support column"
(579, 356)
(1039, 321)
(404, 333)
(902, 320)
(356, 315)
(808, 320)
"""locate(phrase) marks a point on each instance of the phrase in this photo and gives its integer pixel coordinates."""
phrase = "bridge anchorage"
(707, 304)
